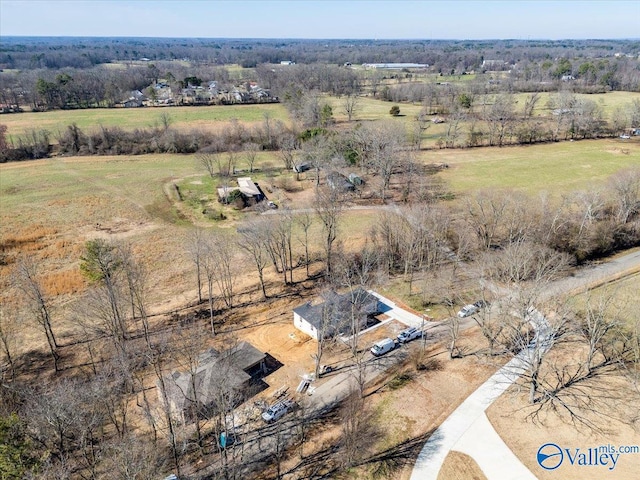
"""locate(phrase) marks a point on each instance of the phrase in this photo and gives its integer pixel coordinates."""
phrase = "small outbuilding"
(337, 181)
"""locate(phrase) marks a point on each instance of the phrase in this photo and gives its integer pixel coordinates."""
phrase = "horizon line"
(333, 38)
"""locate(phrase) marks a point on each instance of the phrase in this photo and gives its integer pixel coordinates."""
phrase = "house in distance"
(247, 191)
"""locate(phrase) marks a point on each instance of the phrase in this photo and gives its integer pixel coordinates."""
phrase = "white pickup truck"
(409, 334)
(277, 410)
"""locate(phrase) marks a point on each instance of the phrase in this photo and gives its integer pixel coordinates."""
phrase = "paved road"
(462, 430)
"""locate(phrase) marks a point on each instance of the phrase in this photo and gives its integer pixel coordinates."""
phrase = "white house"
(337, 315)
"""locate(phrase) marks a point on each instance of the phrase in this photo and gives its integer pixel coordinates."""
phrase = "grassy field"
(624, 294)
(608, 102)
(370, 109)
(555, 168)
(182, 118)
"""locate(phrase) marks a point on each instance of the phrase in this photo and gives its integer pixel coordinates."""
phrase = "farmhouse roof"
(247, 187)
(244, 356)
(216, 372)
(338, 181)
(335, 312)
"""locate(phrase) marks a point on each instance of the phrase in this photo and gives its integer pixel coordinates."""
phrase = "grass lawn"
(624, 292)
(369, 108)
(131, 118)
(608, 102)
(555, 168)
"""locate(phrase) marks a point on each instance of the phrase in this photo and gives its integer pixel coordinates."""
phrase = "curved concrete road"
(468, 430)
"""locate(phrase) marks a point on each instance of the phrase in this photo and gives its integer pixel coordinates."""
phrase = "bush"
(395, 110)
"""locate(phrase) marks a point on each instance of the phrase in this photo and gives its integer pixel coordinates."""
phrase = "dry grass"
(26, 239)
(63, 282)
(459, 466)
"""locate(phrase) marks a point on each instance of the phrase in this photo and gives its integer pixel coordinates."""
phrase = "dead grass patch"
(64, 282)
(459, 466)
(27, 239)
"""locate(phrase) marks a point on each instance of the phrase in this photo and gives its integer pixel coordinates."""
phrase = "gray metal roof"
(335, 314)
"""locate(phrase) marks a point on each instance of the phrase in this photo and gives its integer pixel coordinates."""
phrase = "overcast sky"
(424, 19)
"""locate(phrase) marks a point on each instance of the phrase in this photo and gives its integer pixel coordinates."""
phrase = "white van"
(383, 346)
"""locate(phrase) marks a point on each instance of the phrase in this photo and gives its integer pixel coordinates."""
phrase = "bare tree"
(129, 457)
(625, 186)
(221, 265)
(28, 282)
(250, 153)
(229, 168)
(304, 219)
(253, 242)
(350, 105)
(156, 358)
(358, 430)
(562, 103)
(137, 281)
(209, 162)
(454, 126)
(500, 116)
(288, 145)
(328, 207)
(165, 120)
(196, 249)
(358, 273)
(522, 261)
(209, 266)
(192, 342)
(102, 264)
(491, 325)
(7, 340)
(382, 148)
(530, 104)
(486, 212)
(419, 128)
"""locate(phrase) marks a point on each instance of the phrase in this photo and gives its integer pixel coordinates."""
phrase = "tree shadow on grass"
(386, 464)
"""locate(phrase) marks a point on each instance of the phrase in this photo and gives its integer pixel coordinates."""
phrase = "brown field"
(508, 416)
(459, 466)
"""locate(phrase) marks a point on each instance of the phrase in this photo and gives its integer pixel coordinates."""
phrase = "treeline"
(26, 53)
(58, 73)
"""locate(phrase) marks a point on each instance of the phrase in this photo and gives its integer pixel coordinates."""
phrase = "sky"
(357, 19)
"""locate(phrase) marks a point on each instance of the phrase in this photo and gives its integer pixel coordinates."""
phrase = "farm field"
(54, 206)
(182, 118)
(71, 200)
(555, 168)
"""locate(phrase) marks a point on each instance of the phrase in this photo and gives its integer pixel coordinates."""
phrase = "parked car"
(277, 410)
(467, 310)
(325, 369)
(625, 136)
(383, 346)
(409, 334)
(272, 205)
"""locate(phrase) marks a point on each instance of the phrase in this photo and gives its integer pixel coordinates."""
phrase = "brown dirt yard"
(508, 415)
